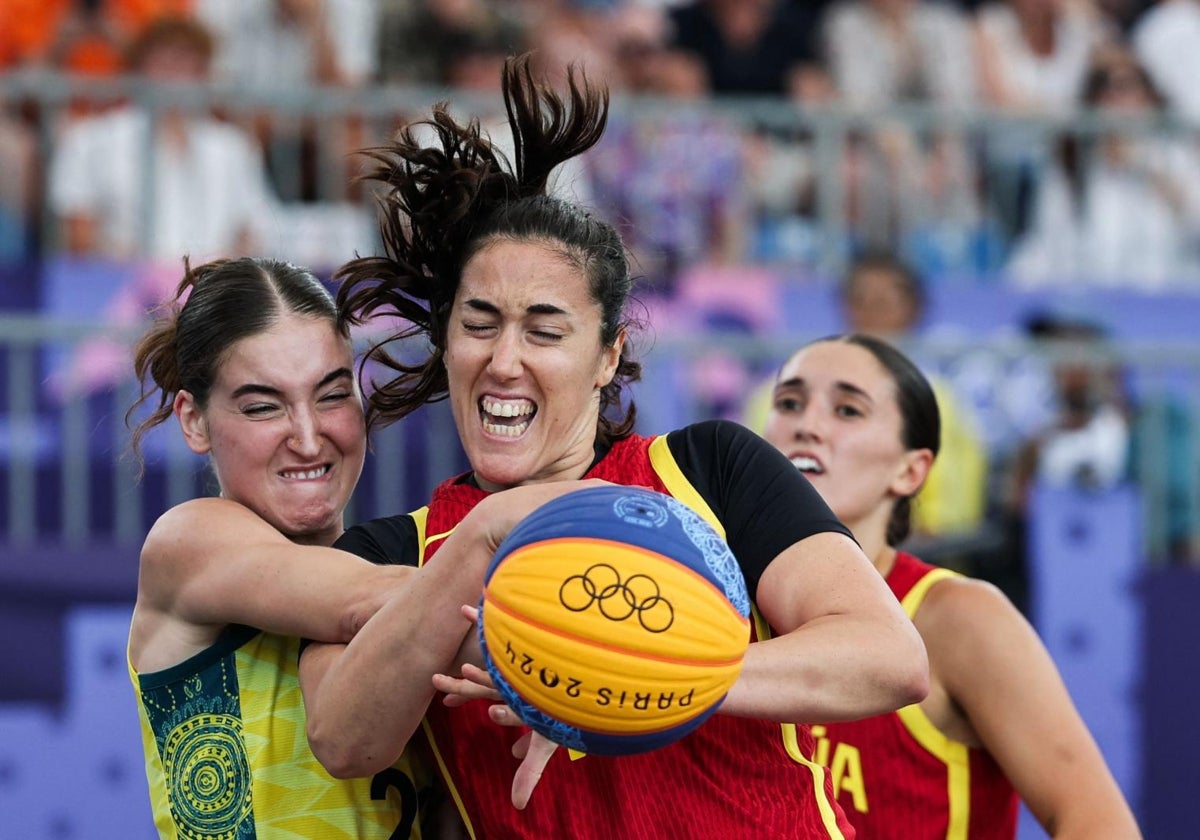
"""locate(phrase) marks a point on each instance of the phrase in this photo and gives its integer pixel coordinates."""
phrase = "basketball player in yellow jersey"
(252, 362)
(861, 421)
(258, 374)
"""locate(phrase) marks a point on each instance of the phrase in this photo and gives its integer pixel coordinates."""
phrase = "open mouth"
(305, 475)
(808, 465)
(506, 418)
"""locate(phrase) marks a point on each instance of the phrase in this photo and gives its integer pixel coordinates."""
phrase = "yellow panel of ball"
(611, 637)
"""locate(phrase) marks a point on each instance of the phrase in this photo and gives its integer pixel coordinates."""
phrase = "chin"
(498, 477)
(310, 526)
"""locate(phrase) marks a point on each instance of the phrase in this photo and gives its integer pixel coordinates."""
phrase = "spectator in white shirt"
(1166, 39)
(1033, 56)
(1121, 208)
(206, 186)
(906, 186)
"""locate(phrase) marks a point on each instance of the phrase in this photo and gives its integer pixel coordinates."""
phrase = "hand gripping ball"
(614, 620)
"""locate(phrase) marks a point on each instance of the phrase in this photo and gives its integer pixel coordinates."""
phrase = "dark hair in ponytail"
(216, 305)
(442, 203)
(921, 424)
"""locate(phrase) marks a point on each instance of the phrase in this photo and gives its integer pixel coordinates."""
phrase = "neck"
(884, 560)
(871, 534)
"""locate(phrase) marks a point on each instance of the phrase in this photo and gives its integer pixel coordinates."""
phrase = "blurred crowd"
(890, 145)
(882, 146)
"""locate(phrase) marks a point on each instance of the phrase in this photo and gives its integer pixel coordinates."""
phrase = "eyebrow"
(533, 309)
(841, 385)
(270, 391)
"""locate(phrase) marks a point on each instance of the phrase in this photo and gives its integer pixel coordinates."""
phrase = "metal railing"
(836, 214)
(68, 477)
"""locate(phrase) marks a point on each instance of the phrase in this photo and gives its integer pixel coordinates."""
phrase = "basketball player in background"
(521, 299)
(860, 420)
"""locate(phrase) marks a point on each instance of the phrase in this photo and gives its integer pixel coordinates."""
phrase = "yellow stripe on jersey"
(677, 484)
(958, 766)
(791, 743)
(446, 777)
(954, 754)
(420, 518)
(912, 601)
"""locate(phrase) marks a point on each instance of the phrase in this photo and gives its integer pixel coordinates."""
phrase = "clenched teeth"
(505, 431)
(305, 474)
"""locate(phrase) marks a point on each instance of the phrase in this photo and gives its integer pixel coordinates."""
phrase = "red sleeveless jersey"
(732, 777)
(898, 777)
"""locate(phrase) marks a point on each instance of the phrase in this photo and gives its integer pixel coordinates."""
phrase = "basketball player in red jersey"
(859, 419)
(520, 297)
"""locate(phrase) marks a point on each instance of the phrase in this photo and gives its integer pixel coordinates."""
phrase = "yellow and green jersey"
(227, 755)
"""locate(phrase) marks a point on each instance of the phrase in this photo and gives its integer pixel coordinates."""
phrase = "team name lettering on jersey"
(846, 768)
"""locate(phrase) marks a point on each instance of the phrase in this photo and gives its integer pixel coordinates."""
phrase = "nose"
(505, 361)
(809, 423)
(305, 438)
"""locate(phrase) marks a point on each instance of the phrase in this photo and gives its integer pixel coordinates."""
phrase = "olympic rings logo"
(618, 600)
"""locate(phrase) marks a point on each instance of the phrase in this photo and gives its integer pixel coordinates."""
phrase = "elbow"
(912, 683)
(915, 689)
(341, 758)
(353, 620)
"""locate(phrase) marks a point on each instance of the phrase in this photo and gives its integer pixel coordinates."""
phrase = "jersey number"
(393, 778)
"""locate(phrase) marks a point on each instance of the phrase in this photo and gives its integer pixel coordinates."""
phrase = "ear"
(914, 469)
(611, 358)
(191, 421)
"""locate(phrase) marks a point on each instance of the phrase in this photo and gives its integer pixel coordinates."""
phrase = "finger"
(477, 675)
(505, 716)
(520, 746)
(470, 613)
(464, 689)
(539, 753)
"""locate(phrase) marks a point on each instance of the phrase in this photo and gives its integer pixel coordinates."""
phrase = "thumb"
(537, 755)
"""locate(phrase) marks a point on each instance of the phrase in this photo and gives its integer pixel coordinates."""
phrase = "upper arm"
(823, 575)
(994, 667)
(763, 502)
(212, 561)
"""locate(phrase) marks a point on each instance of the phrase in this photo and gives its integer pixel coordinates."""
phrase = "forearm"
(275, 585)
(1113, 822)
(837, 667)
(1074, 796)
(372, 694)
(365, 701)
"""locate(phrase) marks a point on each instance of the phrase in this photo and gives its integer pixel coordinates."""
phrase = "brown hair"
(180, 32)
(442, 203)
(215, 306)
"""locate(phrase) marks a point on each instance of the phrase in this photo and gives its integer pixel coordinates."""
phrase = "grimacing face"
(284, 426)
(835, 415)
(525, 364)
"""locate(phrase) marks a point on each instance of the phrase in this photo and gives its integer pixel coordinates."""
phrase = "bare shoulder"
(962, 619)
(957, 602)
(204, 511)
(200, 523)
(979, 644)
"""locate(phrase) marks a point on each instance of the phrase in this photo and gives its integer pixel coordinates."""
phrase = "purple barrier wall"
(74, 770)
(1171, 698)
(1084, 563)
